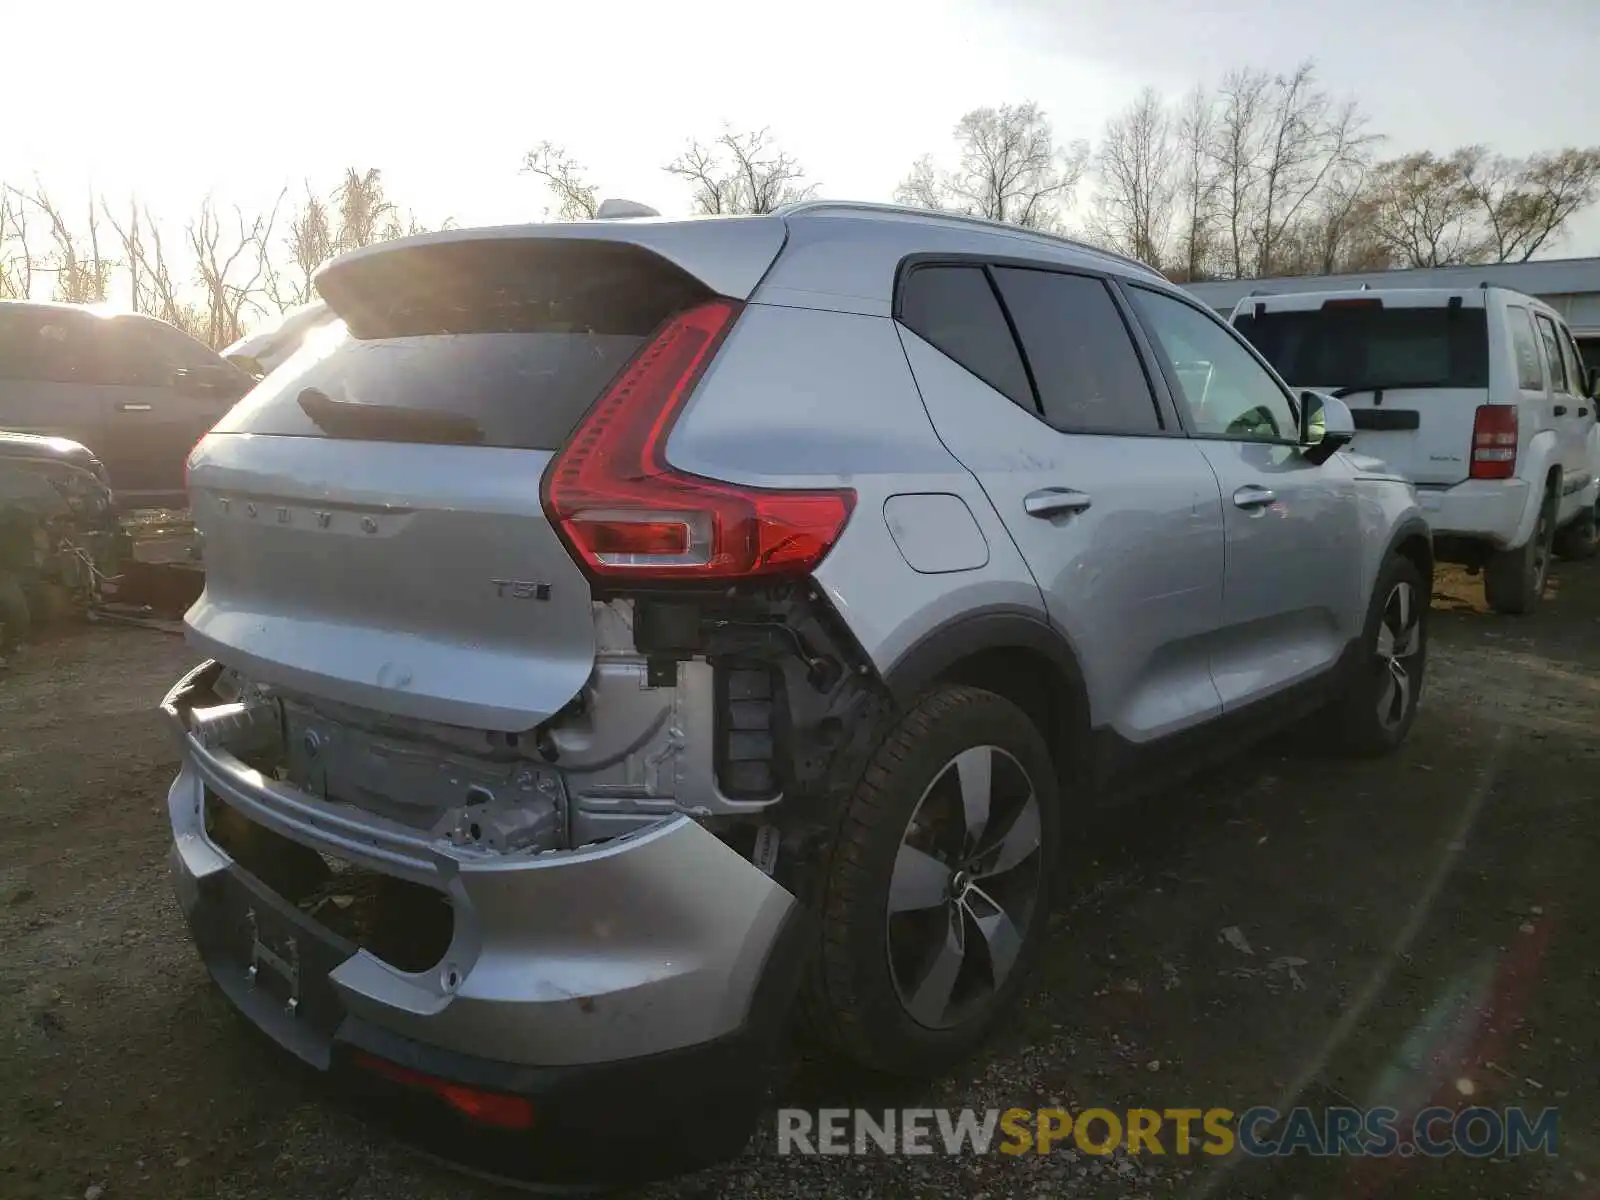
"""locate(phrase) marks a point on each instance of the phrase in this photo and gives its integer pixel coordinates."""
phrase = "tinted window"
(1573, 364)
(1552, 354)
(1084, 362)
(954, 309)
(1525, 343)
(495, 389)
(46, 345)
(489, 343)
(1227, 392)
(1365, 345)
(149, 353)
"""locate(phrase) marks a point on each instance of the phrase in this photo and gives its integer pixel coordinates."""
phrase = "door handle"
(1583, 412)
(1251, 496)
(133, 408)
(1053, 501)
(1560, 410)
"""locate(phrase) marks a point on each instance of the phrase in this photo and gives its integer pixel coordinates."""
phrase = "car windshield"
(1374, 346)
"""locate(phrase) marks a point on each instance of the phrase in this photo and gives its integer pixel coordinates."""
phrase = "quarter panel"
(820, 398)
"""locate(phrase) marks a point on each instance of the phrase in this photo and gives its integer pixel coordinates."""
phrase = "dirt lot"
(1410, 924)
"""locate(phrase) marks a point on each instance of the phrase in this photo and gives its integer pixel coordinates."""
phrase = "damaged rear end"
(506, 719)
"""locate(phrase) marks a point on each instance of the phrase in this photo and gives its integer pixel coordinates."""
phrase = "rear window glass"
(1374, 347)
(954, 309)
(1552, 353)
(1083, 359)
(480, 343)
(1530, 368)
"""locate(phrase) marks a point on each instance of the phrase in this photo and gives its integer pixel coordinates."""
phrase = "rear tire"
(1513, 580)
(1579, 540)
(1380, 702)
(16, 619)
(935, 893)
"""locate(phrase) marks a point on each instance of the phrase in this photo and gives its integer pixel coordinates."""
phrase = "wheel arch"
(1017, 655)
(1413, 541)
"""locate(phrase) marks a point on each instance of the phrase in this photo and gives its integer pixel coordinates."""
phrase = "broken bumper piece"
(599, 1015)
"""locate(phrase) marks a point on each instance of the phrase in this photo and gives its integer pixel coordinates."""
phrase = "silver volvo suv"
(625, 636)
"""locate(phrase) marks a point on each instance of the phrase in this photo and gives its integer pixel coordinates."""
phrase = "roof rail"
(906, 210)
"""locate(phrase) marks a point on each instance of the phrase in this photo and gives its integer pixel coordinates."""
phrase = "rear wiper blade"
(1341, 393)
(388, 423)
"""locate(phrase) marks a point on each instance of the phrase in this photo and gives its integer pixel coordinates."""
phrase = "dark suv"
(137, 391)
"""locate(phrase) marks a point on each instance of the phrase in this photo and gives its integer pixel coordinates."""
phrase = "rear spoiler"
(728, 256)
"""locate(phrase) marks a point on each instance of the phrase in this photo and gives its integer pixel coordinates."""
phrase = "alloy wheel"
(965, 888)
(1399, 645)
(1543, 539)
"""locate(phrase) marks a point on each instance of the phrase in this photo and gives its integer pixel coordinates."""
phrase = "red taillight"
(626, 515)
(486, 1108)
(1494, 442)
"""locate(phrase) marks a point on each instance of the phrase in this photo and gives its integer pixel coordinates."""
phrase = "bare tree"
(16, 254)
(1336, 235)
(230, 266)
(130, 237)
(1526, 203)
(1008, 168)
(310, 240)
(1310, 137)
(1242, 100)
(83, 275)
(575, 197)
(1138, 181)
(1423, 210)
(1198, 184)
(740, 173)
(365, 214)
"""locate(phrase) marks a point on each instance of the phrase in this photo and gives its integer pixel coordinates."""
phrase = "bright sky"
(174, 98)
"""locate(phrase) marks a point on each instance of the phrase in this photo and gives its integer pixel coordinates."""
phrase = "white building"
(1571, 286)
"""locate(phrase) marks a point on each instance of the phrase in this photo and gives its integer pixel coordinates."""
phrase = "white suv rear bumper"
(1492, 510)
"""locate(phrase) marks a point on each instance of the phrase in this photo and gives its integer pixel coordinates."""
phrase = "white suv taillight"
(1494, 442)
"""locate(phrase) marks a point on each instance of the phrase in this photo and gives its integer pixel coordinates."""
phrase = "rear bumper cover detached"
(646, 978)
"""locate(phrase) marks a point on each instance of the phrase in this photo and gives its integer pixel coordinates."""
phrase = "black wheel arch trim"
(1410, 527)
(995, 628)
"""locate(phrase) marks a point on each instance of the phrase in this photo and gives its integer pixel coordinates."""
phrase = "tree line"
(214, 276)
(1263, 174)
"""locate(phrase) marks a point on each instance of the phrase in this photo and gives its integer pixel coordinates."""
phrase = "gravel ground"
(1409, 923)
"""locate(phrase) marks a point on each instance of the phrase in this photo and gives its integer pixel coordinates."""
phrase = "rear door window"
(954, 309)
(1552, 354)
(1362, 344)
(43, 345)
(1525, 344)
(1083, 359)
(147, 354)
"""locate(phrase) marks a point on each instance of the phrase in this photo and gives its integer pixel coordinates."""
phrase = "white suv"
(1479, 396)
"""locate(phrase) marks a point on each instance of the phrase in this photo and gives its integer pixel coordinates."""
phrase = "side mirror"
(1326, 426)
(1594, 383)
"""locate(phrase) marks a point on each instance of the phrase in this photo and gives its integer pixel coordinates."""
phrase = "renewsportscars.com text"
(1257, 1132)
